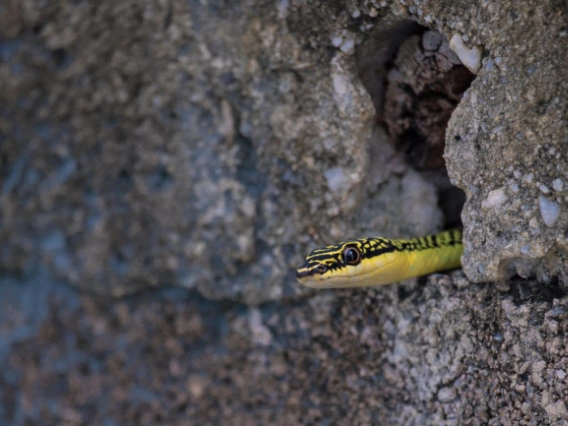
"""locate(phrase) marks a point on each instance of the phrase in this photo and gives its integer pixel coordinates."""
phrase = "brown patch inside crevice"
(423, 87)
(416, 81)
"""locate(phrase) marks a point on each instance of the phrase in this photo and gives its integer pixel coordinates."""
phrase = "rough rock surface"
(396, 355)
(209, 146)
(170, 143)
(507, 142)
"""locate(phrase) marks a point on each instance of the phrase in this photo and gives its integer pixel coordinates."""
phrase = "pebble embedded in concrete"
(471, 58)
(336, 179)
(495, 198)
(557, 185)
(549, 210)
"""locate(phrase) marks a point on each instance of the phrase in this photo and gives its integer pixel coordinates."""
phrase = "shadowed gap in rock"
(416, 81)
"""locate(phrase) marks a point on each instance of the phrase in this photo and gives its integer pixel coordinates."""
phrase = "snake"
(376, 261)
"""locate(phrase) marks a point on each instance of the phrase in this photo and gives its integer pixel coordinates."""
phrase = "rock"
(510, 130)
(549, 210)
(185, 150)
(471, 58)
(190, 150)
(152, 145)
(395, 355)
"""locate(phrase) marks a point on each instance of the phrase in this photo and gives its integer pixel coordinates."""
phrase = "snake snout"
(303, 271)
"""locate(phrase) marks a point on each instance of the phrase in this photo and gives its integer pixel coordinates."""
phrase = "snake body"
(376, 260)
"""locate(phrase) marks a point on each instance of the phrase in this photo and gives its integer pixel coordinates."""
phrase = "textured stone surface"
(507, 142)
(170, 143)
(417, 355)
(209, 146)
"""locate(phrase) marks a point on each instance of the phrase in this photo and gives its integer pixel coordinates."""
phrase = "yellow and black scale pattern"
(376, 260)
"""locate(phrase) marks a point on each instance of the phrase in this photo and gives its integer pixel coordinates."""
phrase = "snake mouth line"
(303, 272)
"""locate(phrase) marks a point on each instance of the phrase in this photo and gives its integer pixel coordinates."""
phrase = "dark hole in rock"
(416, 81)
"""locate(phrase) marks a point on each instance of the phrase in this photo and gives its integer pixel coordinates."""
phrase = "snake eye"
(321, 269)
(351, 256)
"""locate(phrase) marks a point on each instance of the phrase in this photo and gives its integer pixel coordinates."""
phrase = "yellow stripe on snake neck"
(376, 261)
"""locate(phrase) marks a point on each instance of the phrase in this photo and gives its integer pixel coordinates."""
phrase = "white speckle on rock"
(261, 335)
(471, 58)
(329, 143)
(557, 185)
(340, 84)
(336, 41)
(283, 8)
(495, 198)
(543, 188)
(549, 210)
(248, 206)
(561, 374)
(348, 46)
(446, 394)
(356, 13)
(537, 368)
(336, 179)
(529, 178)
(517, 174)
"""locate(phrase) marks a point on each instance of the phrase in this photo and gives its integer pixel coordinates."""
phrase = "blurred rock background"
(164, 167)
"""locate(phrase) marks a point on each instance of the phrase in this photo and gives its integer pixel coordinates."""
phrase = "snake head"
(356, 263)
(327, 267)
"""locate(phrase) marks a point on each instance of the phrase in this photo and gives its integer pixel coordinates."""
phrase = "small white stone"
(549, 210)
(557, 185)
(336, 179)
(561, 374)
(336, 41)
(529, 178)
(329, 143)
(248, 207)
(348, 46)
(261, 335)
(446, 394)
(517, 174)
(471, 58)
(356, 13)
(543, 188)
(495, 198)
(283, 8)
